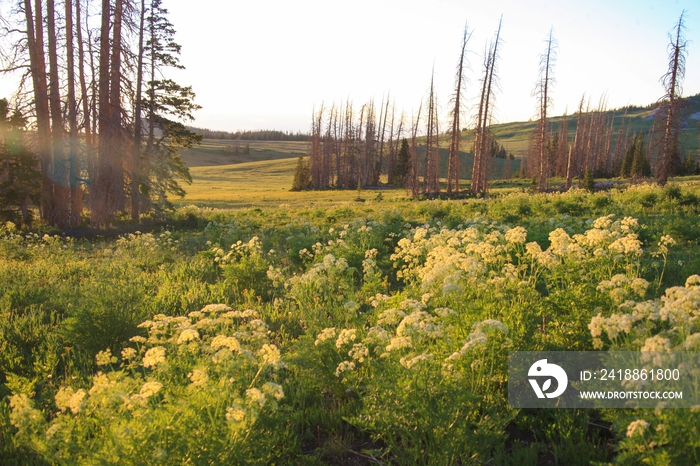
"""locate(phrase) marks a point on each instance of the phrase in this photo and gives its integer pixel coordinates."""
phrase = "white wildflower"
(346, 336)
(198, 377)
(154, 356)
(255, 396)
(105, 358)
(344, 367)
(358, 352)
(637, 427)
(189, 334)
(150, 388)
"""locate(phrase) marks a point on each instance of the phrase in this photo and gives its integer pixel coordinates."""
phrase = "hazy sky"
(266, 63)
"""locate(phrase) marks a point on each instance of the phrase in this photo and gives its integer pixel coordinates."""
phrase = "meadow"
(262, 326)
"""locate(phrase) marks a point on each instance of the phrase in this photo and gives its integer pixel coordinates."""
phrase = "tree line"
(96, 107)
(352, 147)
(255, 135)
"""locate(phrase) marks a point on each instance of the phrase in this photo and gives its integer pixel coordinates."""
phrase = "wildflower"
(189, 334)
(656, 343)
(154, 356)
(63, 398)
(150, 388)
(255, 396)
(692, 343)
(76, 401)
(23, 413)
(399, 343)
(100, 383)
(271, 355)
(138, 339)
(444, 312)
(105, 358)
(344, 367)
(346, 336)
(128, 354)
(358, 352)
(390, 317)
(409, 363)
(274, 390)
(326, 334)
(227, 342)
(198, 377)
(214, 308)
(516, 235)
(639, 286)
(235, 413)
(490, 325)
(638, 426)
(222, 355)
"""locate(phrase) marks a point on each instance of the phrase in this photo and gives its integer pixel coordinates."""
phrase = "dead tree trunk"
(453, 157)
(415, 169)
(76, 192)
(35, 43)
(543, 87)
(138, 126)
(670, 110)
(61, 162)
(89, 143)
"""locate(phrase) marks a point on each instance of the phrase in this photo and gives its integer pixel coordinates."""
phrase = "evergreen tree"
(588, 181)
(626, 168)
(20, 179)
(403, 164)
(640, 164)
(302, 175)
(166, 104)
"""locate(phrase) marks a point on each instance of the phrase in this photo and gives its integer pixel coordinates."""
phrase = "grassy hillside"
(263, 177)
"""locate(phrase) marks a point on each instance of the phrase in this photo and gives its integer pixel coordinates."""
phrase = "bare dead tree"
(76, 192)
(542, 91)
(89, 135)
(61, 163)
(453, 157)
(669, 110)
(382, 132)
(35, 44)
(415, 169)
(431, 181)
(482, 139)
(138, 125)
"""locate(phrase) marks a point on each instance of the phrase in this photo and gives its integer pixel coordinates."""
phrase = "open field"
(221, 152)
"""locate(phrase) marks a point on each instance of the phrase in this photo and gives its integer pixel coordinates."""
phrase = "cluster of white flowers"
(637, 427)
(680, 306)
(408, 363)
(479, 336)
(344, 367)
(239, 249)
(105, 358)
(326, 334)
(67, 398)
(346, 336)
(319, 274)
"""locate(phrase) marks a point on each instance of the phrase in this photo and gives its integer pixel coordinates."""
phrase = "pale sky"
(265, 64)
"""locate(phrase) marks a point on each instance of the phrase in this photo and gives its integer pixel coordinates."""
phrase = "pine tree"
(166, 104)
(640, 164)
(20, 185)
(302, 175)
(588, 181)
(626, 168)
(403, 164)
